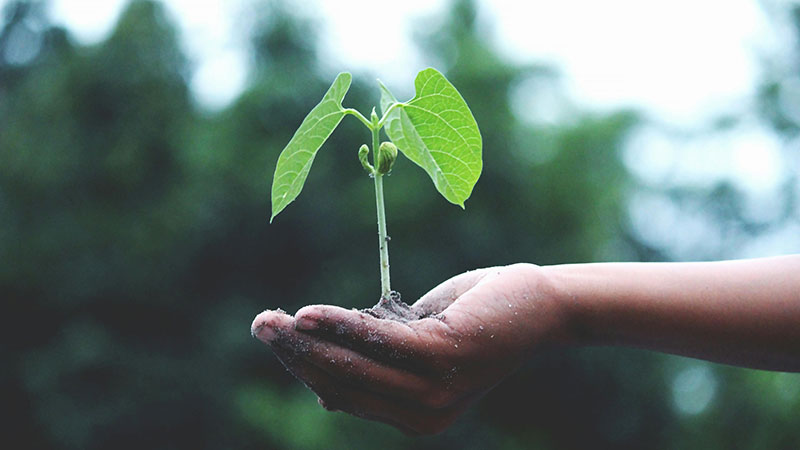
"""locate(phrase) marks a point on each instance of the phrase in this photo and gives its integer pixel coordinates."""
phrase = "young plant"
(435, 130)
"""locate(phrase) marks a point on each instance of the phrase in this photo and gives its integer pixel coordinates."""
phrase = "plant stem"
(359, 116)
(386, 114)
(383, 240)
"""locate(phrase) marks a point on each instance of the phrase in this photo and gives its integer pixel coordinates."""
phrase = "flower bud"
(362, 156)
(387, 154)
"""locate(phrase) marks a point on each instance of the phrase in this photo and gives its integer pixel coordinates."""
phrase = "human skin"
(421, 375)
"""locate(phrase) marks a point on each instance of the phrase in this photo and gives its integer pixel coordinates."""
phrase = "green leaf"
(295, 160)
(437, 131)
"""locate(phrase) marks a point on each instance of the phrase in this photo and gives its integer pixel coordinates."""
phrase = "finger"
(443, 295)
(382, 340)
(345, 364)
(268, 325)
(334, 396)
(349, 366)
(356, 369)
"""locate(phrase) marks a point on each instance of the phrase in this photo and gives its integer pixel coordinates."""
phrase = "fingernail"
(306, 324)
(264, 333)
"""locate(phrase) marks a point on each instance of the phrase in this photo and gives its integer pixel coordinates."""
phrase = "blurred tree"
(754, 409)
(134, 236)
(95, 227)
(729, 216)
(745, 408)
(779, 90)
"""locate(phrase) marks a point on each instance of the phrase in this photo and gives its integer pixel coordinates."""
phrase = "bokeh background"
(135, 247)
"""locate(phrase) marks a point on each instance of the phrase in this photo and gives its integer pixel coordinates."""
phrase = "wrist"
(549, 305)
(567, 289)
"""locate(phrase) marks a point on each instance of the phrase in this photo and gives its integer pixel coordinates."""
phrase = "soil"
(394, 308)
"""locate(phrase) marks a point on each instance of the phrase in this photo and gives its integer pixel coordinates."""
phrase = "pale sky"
(680, 60)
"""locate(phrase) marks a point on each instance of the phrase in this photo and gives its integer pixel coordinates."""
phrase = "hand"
(421, 375)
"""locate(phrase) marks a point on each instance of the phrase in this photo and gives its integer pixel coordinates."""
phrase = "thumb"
(442, 296)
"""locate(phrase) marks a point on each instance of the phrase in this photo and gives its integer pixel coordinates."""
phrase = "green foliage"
(437, 131)
(295, 160)
(387, 155)
(363, 153)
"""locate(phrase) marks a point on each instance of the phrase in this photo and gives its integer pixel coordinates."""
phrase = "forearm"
(737, 312)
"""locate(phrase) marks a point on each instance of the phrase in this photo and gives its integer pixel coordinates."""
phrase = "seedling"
(435, 130)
